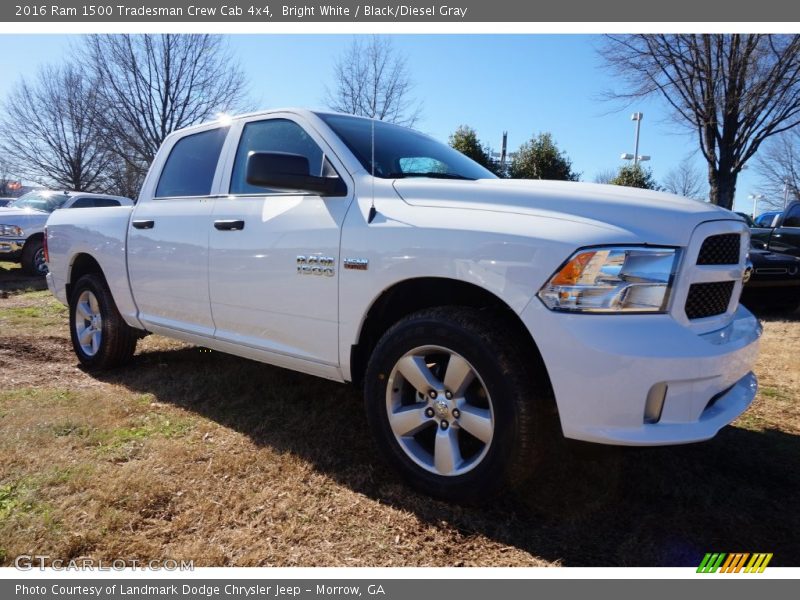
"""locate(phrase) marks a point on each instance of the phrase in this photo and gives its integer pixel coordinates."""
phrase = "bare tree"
(778, 166)
(50, 130)
(372, 80)
(685, 180)
(733, 91)
(151, 85)
(606, 176)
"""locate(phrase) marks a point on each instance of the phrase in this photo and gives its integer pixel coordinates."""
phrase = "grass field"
(194, 455)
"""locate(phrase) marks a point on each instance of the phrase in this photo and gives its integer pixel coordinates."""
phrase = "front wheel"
(454, 404)
(100, 336)
(33, 258)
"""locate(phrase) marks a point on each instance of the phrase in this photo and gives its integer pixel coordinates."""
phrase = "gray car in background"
(22, 223)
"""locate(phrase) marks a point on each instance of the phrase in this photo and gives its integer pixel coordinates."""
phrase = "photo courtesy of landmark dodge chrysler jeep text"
(478, 314)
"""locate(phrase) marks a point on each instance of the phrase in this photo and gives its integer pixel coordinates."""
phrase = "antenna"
(372, 211)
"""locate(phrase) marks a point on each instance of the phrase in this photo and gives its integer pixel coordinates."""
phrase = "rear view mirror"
(291, 172)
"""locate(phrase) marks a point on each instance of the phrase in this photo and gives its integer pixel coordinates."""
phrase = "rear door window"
(190, 167)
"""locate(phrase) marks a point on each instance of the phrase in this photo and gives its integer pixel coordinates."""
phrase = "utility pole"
(636, 157)
(503, 151)
(755, 198)
(785, 194)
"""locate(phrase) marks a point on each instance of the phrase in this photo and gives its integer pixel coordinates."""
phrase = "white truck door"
(261, 296)
(168, 236)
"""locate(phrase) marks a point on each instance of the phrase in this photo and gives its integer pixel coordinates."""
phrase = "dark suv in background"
(775, 254)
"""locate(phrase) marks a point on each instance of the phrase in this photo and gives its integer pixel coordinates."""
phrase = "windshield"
(402, 152)
(43, 201)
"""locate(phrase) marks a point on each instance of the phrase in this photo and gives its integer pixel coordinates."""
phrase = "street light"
(785, 193)
(636, 157)
(755, 198)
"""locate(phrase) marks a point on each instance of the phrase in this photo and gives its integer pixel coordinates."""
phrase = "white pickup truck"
(475, 312)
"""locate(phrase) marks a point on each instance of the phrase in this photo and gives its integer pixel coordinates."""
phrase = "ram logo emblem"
(316, 265)
(356, 264)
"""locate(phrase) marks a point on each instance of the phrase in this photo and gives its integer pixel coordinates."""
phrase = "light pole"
(636, 157)
(785, 193)
(755, 198)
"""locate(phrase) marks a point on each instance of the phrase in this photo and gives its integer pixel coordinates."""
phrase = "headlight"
(613, 280)
(11, 230)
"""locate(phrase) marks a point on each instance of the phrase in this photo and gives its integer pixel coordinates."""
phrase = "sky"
(523, 84)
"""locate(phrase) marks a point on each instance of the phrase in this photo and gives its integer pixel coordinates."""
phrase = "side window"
(273, 135)
(105, 202)
(83, 203)
(793, 217)
(189, 170)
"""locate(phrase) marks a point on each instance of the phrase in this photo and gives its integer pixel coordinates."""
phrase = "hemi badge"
(357, 264)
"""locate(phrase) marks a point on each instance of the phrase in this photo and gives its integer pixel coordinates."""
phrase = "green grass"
(45, 396)
(46, 312)
(17, 498)
(125, 443)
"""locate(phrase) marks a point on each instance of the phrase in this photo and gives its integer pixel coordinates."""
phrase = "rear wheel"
(454, 404)
(33, 257)
(100, 337)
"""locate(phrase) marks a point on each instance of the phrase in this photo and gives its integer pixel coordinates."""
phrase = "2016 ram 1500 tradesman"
(474, 311)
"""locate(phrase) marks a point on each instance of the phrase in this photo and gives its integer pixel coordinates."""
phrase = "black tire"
(515, 392)
(33, 257)
(117, 340)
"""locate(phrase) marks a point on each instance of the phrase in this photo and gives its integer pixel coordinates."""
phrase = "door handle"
(229, 225)
(144, 224)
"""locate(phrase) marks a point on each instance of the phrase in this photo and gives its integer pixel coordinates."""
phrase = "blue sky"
(522, 84)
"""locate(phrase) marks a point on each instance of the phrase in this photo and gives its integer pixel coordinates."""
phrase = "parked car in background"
(782, 235)
(767, 219)
(22, 224)
(774, 281)
(775, 254)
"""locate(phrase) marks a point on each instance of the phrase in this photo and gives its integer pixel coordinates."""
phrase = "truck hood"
(653, 217)
(23, 217)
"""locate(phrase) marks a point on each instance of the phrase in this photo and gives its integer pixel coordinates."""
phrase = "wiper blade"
(431, 174)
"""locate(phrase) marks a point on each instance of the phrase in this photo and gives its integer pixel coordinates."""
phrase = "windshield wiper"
(431, 174)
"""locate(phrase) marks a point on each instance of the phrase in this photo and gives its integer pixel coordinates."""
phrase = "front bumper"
(11, 248)
(603, 368)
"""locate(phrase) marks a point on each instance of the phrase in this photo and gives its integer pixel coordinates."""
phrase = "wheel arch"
(82, 264)
(411, 295)
(38, 236)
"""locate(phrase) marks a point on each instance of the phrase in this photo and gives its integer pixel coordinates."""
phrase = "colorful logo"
(721, 562)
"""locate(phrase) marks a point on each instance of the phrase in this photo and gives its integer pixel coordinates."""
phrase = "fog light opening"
(655, 403)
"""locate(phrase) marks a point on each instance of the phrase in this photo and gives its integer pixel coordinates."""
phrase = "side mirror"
(291, 172)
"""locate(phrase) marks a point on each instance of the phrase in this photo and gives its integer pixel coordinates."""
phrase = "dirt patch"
(40, 361)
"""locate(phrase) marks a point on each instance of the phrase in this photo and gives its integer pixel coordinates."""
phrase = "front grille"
(708, 299)
(720, 249)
